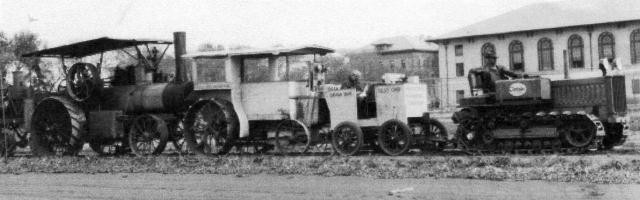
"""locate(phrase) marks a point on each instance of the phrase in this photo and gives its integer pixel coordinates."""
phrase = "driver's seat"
(480, 80)
(481, 87)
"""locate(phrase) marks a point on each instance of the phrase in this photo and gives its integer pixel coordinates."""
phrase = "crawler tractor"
(538, 115)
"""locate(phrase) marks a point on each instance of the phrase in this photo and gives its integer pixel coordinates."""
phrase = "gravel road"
(195, 186)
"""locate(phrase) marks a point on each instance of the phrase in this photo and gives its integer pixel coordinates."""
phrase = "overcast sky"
(259, 23)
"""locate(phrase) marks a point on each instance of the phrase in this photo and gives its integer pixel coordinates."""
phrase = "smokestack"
(179, 43)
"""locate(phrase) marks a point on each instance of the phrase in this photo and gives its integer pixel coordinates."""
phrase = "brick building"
(402, 54)
(544, 39)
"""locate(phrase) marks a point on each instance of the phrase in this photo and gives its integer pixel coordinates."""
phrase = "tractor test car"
(285, 104)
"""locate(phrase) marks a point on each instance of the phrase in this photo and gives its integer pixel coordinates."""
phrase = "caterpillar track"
(499, 132)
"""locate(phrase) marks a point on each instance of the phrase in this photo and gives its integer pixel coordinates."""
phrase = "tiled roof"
(549, 15)
(403, 43)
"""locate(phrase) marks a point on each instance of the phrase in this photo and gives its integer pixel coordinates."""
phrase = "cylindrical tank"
(158, 97)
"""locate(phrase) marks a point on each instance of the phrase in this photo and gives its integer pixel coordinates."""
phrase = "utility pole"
(4, 120)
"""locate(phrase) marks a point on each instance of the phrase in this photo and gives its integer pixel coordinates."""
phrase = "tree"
(6, 55)
(25, 42)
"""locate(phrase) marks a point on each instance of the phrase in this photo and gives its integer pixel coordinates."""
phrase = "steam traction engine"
(135, 110)
(539, 115)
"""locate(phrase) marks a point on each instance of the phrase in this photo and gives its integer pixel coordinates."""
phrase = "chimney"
(179, 43)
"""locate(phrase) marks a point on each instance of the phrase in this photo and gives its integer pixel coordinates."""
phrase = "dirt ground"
(195, 186)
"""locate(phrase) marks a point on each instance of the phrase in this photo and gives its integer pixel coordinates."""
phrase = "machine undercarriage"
(525, 129)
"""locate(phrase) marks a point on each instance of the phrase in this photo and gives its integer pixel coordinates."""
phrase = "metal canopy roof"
(262, 53)
(90, 47)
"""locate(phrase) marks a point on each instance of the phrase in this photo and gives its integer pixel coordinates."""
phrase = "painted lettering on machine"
(517, 89)
(340, 93)
(385, 90)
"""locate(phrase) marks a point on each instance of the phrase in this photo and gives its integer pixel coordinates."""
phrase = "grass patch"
(592, 169)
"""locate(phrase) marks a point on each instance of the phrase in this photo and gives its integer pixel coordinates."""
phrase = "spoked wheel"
(148, 135)
(579, 132)
(211, 127)
(394, 137)
(58, 126)
(292, 137)
(116, 148)
(8, 147)
(432, 130)
(83, 81)
(347, 138)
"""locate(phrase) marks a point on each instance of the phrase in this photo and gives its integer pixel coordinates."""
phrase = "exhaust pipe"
(180, 48)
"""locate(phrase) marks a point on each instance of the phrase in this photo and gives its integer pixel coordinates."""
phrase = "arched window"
(545, 54)
(576, 47)
(516, 56)
(485, 48)
(606, 44)
(635, 46)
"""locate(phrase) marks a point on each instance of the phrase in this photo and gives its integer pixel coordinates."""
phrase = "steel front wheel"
(394, 137)
(347, 138)
(211, 127)
(148, 135)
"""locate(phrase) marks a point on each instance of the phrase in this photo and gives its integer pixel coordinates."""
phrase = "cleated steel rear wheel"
(211, 127)
(58, 127)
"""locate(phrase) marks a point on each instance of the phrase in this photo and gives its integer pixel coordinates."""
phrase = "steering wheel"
(83, 81)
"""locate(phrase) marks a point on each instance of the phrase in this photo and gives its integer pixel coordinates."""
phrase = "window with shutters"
(545, 54)
(516, 56)
(635, 46)
(458, 50)
(459, 69)
(606, 45)
(576, 49)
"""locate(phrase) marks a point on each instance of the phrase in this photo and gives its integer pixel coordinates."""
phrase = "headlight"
(470, 135)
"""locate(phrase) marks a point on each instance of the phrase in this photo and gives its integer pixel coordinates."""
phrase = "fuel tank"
(157, 97)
